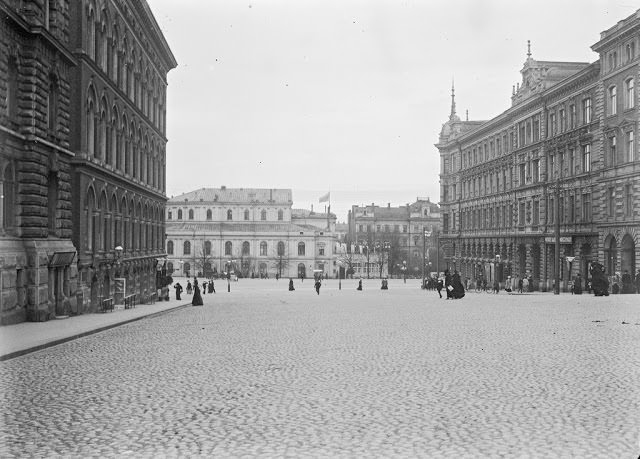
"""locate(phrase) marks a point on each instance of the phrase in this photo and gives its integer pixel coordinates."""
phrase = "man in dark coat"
(178, 288)
(317, 285)
(458, 289)
(212, 288)
(291, 289)
(204, 288)
(439, 287)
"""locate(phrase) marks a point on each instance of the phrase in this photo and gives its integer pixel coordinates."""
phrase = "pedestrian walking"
(197, 299)
(204, 288)
(317, 285)
(385, 285)
(189, 288)
(291, 289)
(178, 288)
(520, 284)
(508, 285)
(439, 287)
(212, 287)
(359, 285)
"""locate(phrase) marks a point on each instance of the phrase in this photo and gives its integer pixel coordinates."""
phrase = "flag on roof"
(324, 198)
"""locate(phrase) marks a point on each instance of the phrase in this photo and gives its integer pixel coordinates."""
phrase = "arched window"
(301, 248)
(246, 214)
(187, 248)
(170, 247)
(246, 248)
(280, 248)
(186, 268)
(263, 248)
(263, 215)
(207, 248)
(280, 215)
(190, 214)
(7, 199)
(52, 201)
(209, 214)
(229, 214)
(630, 96)
(227, 248)
(179, 214)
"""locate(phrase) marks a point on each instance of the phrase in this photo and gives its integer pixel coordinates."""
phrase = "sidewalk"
(26, 337)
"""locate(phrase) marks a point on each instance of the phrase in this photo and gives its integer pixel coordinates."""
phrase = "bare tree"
(280, 263)
(203, 262)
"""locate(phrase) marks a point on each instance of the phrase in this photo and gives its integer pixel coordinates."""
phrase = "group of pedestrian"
(208, 286)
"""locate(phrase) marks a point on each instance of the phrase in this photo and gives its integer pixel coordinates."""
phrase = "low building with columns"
(563, 158)
(252, 232)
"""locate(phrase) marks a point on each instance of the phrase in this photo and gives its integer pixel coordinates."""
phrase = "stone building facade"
(383, 241)
(564, 154)
(82, 145)
(252, 232)
(38, 275)
(118, 134)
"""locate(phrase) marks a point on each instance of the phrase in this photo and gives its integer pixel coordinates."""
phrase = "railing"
(106, 305)
(130, 301)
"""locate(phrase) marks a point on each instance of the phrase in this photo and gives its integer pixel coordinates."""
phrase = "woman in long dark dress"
(458, 288)
(291, 289)
(197, 298)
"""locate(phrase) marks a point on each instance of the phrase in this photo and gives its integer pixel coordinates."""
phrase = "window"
(263, 248)
(246, 214)
(536, 129)
(612, 150)
(628, 200)
(280, 215)
(586, 207)
(179, 214)
(404, 228)
(552, 124)
(572, 116)
(263, 215)
(52, 104)
(170, 247)
(190, 214)
(630, 51)
(535, 173)
(207, 247)
(561, 215)
(227, 248)
(521, 214)
(209, 214)
(229, 214)
(169, 215)
(280, 249)
(586, 158)
(522, 174)
(630, 146)
(561, 164)
(563, 120)
(630, 95)
(12, 88)
(536, 212)
(586, 110)
(246, 248)
(551, 211)
(572, 209)
(378, 228)
(7, 198)
(611, 201)
(301, 248)
(186, 250)
(612, 101)
(320, 250)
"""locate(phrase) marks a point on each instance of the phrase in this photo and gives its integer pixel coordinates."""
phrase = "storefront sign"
(563, 240)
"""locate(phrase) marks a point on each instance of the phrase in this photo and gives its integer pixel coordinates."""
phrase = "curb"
(39, 347)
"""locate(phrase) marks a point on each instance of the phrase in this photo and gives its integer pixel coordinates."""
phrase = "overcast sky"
(348, 96)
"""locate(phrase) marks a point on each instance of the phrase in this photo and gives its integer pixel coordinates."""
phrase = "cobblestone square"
(263, 372)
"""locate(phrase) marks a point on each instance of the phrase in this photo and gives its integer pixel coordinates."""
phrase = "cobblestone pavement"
(263, 372)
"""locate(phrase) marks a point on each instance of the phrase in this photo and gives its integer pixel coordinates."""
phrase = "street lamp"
(231, 262)
(404, 270)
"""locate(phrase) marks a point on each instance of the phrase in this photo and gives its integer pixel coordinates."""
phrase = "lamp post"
(425, 234)
(231, 262)
(404, 270)
(340, 275)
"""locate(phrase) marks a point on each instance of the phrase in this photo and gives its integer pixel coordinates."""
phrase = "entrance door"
(302, 270)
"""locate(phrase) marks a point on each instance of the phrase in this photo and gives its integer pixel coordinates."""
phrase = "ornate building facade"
(82, 145)
(383, 241)
(118, 134)
(38, 275)
(253, 232)
(564, 156)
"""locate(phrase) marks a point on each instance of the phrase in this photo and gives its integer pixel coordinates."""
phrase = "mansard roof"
(235, 196)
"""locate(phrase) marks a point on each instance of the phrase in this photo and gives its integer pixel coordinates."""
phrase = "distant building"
(252, 232)
(384, 241)
(565, 153)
